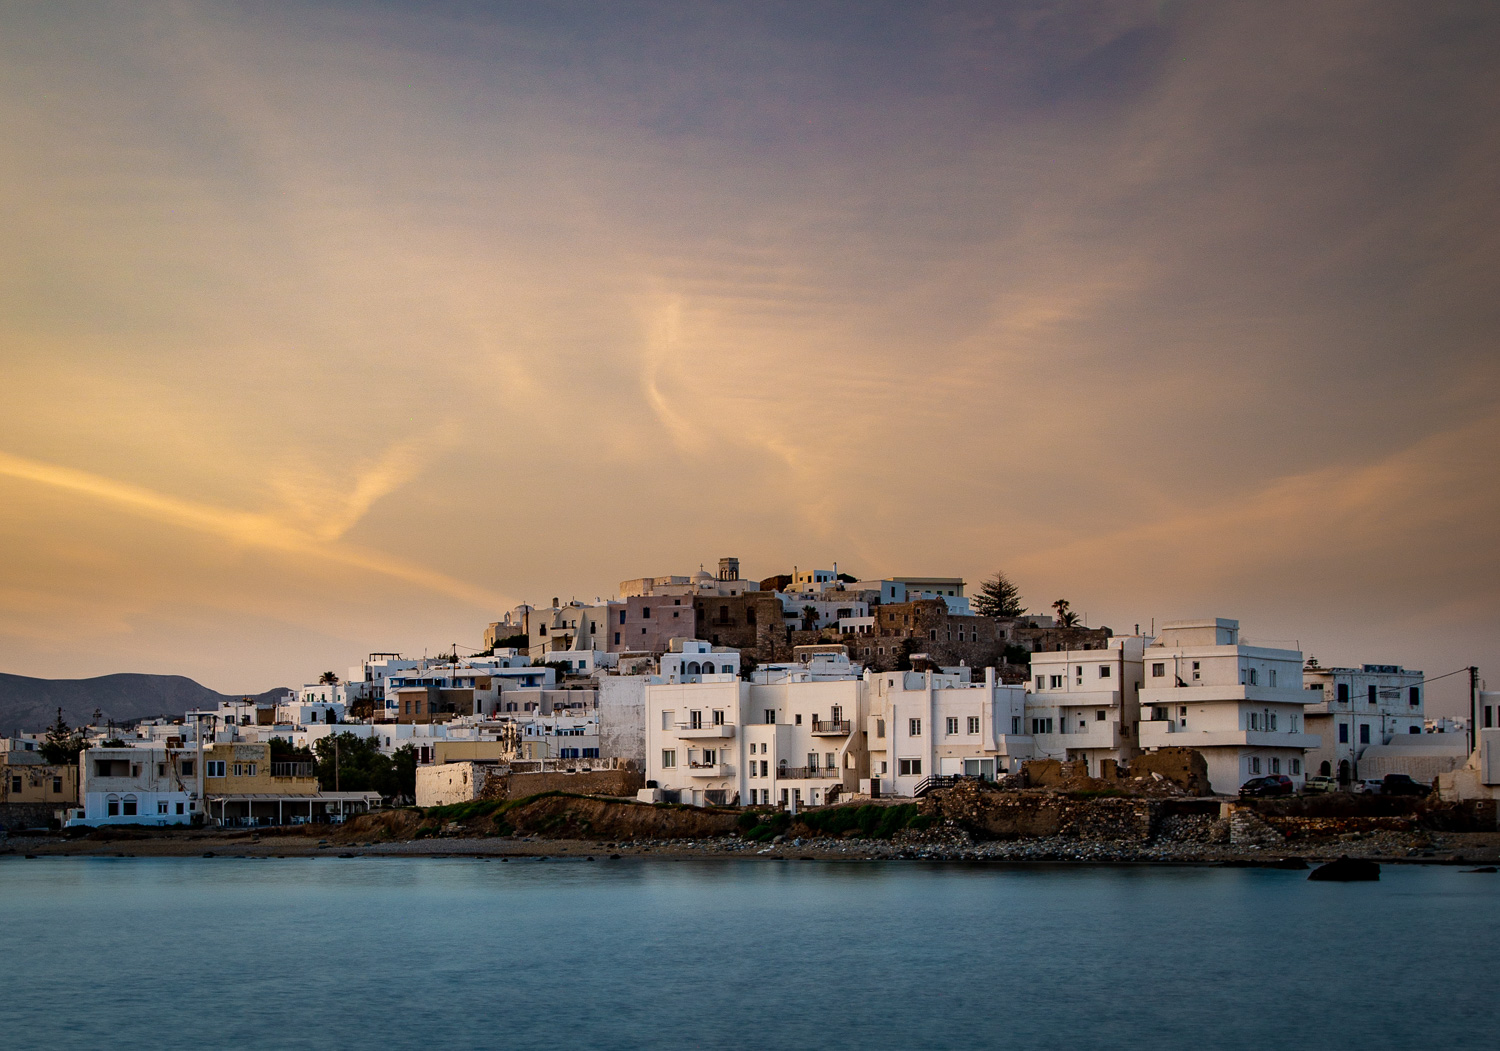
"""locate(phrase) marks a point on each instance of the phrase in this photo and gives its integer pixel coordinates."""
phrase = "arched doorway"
(1343, 771)
(1326, 770)
(708, 667)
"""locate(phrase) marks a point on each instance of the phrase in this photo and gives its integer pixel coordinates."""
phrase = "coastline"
(1459, 848)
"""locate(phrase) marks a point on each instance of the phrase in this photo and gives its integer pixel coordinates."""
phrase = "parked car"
(1402, 785)
(1320, 783)
(1369, 786)
(1270, 785)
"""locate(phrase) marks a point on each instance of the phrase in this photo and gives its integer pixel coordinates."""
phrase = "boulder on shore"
(1346, 870)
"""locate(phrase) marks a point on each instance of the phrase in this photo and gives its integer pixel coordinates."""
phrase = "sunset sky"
(337, 327)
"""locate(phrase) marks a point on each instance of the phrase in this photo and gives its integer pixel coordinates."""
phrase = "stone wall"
(15, 816)
(751, 623)
(596, 783)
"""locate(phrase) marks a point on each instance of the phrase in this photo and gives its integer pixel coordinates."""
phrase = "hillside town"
(794, 692)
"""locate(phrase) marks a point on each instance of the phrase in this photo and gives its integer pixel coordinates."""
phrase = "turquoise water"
(444, 953)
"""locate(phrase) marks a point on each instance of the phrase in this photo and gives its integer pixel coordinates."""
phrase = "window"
(161, 769)
(1414, 696)
(645, 612)
(1015, 724)
(695, 719)
(1041, 726)
(1197, 670)
(249, 769)
(765, 767)
(1254, 676)
(973, 724)
(1343, 692)
(1275, 765)
(951, 726)
(668, 758)
(622, 621)
(617, 638)
(770, 716)
(161, 807)
(1372, 693)
(1158, 671)
(1255, 764)
(214, 768)
(57, 784)
(879, 727)
(718, 716)
(15, 783)
(909, 767)
(239, 770)
(1255, 720)
(1099, 715)
(129, 806)
(752, 769)
(1104, 671)
(1364, 733)
(1056, 682)
(187, 766)
(1040, 679)
(914, 727)
(179, 808)
(113, 806)
(1296, 766)
(1273, 676)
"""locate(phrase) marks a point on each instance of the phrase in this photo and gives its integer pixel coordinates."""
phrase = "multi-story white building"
(1085, 704)
(138, 786)
(925, 724)
(1241, 706)
(714, 738)
(1351, 709)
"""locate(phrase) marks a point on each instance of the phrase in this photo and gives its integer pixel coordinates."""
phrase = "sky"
(329, 328)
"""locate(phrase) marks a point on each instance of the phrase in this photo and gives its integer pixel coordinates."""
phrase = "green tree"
(1066, 618)
(328, 678)
(62, 743)
(999, 597)
(809, 618)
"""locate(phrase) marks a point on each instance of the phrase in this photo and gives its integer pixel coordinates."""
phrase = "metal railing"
(807, 773)
(831, 726)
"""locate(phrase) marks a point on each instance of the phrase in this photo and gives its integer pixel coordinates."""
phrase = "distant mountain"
(31, 704)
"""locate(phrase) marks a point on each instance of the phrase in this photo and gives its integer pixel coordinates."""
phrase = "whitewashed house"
(1084, 704)
(1352, 709)
(1240, 705)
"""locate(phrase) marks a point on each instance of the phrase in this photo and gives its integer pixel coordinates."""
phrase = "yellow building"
(244, 787)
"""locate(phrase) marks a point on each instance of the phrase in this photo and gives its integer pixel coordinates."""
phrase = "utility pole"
(1473, 707)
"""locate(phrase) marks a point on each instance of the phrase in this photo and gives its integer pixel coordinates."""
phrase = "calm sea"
(437, 954)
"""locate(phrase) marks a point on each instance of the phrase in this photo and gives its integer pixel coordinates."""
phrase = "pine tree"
(62, 743)
(998, 597)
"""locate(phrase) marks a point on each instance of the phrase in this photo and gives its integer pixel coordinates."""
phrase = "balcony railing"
(807, 773)
(831, 727)
(291, 769)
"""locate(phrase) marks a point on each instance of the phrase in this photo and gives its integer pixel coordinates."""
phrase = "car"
(1270, 785)
(1369, 786)
(1320, 783)
(1402, 785)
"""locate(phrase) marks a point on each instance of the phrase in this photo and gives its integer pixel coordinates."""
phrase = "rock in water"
(1346, 870)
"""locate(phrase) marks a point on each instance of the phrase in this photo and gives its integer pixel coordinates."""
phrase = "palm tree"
(1066, 618)
(328, 678)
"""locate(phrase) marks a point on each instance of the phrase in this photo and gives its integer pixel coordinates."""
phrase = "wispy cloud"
(250, 528)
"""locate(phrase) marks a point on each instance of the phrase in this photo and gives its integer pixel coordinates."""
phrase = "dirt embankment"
(552, 815)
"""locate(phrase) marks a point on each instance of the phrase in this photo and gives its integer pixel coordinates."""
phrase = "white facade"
(926, 724)
(689, 660)
(138, 786)
(1085, 704)
(1352, 709)
(718, 739)
(1241, 706)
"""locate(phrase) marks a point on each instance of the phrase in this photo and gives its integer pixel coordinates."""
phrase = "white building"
(924, 724)
(138, 786)
(714, 738)
(1352, 709)
(1241, 706)
(1085, 704)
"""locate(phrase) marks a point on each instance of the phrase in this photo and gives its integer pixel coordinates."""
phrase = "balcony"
(1161, 733)
(808, 773)
(689, 732)
(830, 727)
(710, 770)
